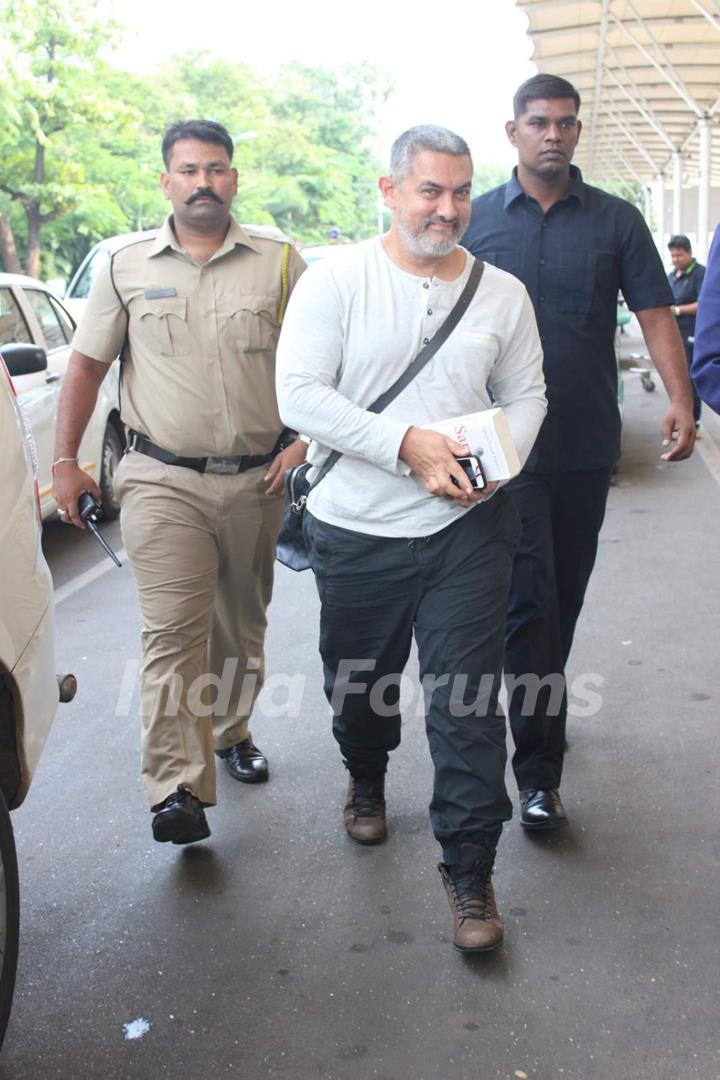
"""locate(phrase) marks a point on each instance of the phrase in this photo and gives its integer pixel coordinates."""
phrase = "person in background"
(574, 247)
(706, 353)
(686, 280)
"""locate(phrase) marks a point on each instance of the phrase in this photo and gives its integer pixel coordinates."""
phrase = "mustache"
(202, 193)
(439, 220)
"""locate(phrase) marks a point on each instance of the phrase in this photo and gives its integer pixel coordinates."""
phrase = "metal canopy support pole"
(599, 71)
(635, 100)
(632, 139)
(659, 200)
(704, 188)
(647, 200)
(677, 160)
(712, 19)
(660, 61)
(610, 146)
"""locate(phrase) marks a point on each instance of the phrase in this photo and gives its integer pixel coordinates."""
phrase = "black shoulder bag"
(291, 548)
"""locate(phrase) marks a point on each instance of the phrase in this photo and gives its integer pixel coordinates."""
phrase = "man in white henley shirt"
(397, 546)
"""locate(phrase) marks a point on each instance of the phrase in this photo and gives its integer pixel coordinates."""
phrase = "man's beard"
(418, 242)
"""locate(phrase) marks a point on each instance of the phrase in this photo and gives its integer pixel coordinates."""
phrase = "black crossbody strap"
(438, 339)
(425, 354)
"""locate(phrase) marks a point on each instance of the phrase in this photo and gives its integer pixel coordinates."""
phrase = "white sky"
(456, 65)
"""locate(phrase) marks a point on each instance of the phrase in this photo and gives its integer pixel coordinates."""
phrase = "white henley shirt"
(354, 322)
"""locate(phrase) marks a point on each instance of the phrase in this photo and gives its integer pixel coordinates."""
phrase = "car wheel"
(9, 915)
(112, 451)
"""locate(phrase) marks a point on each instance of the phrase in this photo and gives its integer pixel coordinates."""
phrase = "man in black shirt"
(686, 279)
(574, 247)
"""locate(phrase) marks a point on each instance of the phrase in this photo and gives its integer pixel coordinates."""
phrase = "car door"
(38, 392)
(53, 330)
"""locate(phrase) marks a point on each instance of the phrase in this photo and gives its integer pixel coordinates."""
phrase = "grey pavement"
(278, 949)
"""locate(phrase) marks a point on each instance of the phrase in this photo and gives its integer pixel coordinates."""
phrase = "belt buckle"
(225, 466)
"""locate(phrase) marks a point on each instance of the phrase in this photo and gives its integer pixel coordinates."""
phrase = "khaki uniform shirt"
(199, 373)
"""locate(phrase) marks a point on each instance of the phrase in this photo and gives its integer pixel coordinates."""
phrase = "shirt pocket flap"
(161, 307)
(234, 304)
(249, 321)
(573, 282)
(161, 324)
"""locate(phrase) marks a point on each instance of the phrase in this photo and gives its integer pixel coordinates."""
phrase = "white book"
(487, 435)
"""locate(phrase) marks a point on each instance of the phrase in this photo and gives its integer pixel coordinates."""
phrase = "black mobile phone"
(472, 468)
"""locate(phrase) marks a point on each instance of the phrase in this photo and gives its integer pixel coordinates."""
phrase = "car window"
(48, 318)
(65, 321)
(81, 289)
(12, 323)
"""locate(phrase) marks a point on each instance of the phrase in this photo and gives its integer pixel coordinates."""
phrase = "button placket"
(208, 296)
(432, 316)
(541, 264)
(424, 327)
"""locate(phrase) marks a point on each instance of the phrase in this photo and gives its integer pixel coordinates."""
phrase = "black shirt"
(686, 290)
(573, 261)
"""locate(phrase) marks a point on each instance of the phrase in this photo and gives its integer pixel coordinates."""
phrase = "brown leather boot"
(364, 813)
(478, 926)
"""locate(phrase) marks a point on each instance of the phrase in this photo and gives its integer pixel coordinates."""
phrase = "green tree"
(308, 165)
(488, 175)
(322, 148)
(80, 139)
(56, 103)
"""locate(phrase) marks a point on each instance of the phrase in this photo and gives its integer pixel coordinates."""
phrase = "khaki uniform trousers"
(202, 549)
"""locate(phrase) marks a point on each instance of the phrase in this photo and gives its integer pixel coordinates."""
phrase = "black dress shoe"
(542, 809)
(180, 818)
(245, 762)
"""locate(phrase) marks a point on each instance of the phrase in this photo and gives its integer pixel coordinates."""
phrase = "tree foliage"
(56, 103)
(80, 139)
(487, 176)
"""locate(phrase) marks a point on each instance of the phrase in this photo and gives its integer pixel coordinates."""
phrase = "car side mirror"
(22, 359)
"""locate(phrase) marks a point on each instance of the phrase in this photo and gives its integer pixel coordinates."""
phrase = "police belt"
(227, 465)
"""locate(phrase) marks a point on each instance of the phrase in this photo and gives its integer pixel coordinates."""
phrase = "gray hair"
(424, 137)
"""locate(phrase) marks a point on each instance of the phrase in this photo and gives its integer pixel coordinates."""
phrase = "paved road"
(280, 950)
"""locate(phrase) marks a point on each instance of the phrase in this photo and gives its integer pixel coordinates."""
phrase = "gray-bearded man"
(400, 543)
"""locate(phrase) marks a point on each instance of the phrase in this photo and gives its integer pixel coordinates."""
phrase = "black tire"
(9, 916)
(112, 451)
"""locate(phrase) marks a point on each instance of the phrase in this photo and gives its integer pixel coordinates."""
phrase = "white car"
(31, 315)
(29, 689)
(76, 293)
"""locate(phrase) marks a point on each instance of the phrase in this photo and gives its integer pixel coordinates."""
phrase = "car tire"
(112, 451)
(9, 915)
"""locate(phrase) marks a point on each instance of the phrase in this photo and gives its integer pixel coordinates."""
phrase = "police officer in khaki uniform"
(196, 309)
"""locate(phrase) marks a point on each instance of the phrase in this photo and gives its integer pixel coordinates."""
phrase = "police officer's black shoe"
(180, 818)
(542, 809)
(245, 762)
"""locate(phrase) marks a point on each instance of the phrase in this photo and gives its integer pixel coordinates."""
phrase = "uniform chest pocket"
(248, 323)
(580, 278)
(162, 324)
